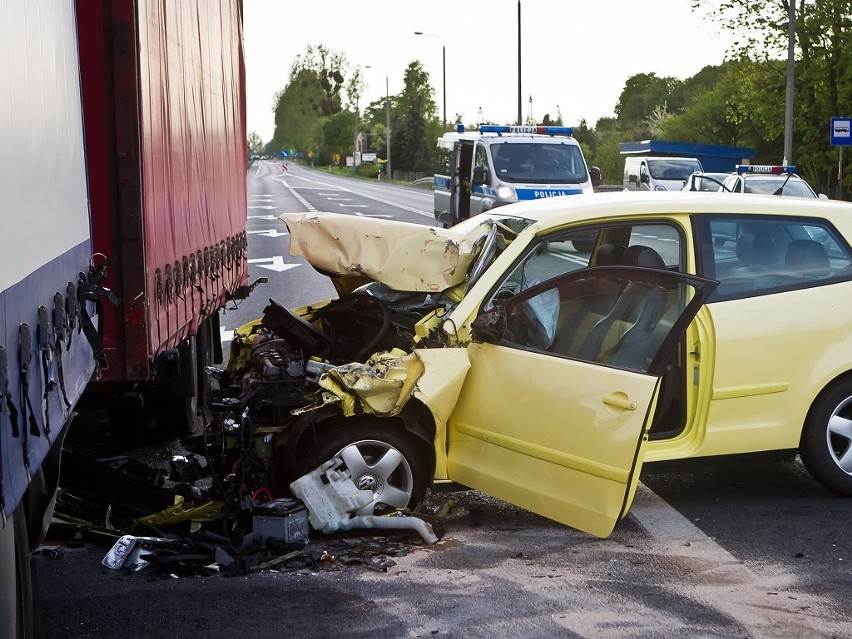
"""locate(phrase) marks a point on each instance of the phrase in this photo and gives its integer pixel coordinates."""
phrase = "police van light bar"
(765, 168)
(540, 130)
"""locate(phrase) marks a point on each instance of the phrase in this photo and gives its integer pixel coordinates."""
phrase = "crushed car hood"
(401, 255)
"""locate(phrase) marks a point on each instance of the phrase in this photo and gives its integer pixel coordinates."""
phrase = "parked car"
(768, 180)
(700, 181)
(496, 355)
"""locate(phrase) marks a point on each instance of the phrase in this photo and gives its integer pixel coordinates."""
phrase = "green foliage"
(604, 154)
(367, 170)
(823, 78)
(415, 127)
(254, 144)
(312, 93)
(338, 134)
(642, 94)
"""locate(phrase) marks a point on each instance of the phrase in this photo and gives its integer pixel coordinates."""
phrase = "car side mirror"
(595, 175)
(645, 178)
(490, 326)
(480, 175)
(822, 196)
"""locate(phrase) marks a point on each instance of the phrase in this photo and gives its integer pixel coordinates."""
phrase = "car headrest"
(808, 257)
(639, 255)
(609, 254)
(756, 248)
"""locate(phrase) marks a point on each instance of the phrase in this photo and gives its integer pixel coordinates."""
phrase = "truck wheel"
(381, 456)
(16, 612)
(178, 415)
(826, 445)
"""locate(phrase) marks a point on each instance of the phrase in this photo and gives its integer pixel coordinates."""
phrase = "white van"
(658, 173)
(497, 165)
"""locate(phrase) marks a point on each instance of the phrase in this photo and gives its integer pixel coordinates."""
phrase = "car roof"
(558, 211)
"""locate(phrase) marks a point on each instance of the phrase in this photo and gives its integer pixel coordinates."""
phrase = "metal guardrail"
(423, 181)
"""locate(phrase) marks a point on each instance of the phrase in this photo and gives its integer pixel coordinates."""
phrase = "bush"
(368, 170)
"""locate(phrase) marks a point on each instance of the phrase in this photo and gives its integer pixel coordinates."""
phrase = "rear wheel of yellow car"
(381, 456)
(826, 445)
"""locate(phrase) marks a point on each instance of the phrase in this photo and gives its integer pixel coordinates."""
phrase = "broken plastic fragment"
(331, 498)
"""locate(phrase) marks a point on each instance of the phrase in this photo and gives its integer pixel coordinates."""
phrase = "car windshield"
(537, 162)
(793, 187)
(672, 169)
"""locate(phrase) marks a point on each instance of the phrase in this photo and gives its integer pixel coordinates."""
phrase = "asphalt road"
(740, 550)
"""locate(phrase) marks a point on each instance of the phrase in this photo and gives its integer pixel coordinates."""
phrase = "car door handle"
(619, 400)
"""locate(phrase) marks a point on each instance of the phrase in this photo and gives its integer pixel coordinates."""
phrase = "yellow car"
(498, 355)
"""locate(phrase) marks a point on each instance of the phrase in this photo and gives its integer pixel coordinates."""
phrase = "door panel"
(512, 422)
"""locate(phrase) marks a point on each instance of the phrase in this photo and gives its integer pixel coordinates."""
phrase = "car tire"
(381, 456)
(826, 445)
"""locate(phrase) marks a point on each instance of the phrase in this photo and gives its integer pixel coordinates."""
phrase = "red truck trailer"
(122, 187)
(163, 87)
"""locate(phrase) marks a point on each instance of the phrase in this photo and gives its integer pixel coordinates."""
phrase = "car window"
(754, 255)
(480, 156)
(654, 245)
(613, 317)
(768, 186)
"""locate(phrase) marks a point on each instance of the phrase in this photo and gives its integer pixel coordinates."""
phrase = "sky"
(576, 55)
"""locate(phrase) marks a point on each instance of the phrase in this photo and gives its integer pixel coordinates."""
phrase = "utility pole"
(791, 68)
(520, 116)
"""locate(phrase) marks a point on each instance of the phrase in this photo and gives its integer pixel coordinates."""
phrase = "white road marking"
(767, 603)
(310, 207)
(410, 209)
(274, 263)
(268, 233)
(661, 521)
(261, 206)
(262, 217)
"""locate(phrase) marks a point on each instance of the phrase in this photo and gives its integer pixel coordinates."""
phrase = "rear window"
(754, 255)
(794, 188)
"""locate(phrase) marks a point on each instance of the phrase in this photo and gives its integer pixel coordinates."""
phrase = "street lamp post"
(444, 62)
(387, 124)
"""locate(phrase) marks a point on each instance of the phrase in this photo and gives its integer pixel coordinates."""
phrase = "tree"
(416, 126)
(823, 69)
(642, 94)
(605, 152)
(339, 134)
(313, 92)
(741, 109)
(254, 143)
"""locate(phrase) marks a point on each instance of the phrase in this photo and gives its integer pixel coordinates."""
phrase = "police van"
(497, 165)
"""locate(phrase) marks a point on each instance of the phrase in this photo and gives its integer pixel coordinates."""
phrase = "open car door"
(555, 409)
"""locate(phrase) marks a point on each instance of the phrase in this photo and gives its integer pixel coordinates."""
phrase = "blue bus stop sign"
(840, 132)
